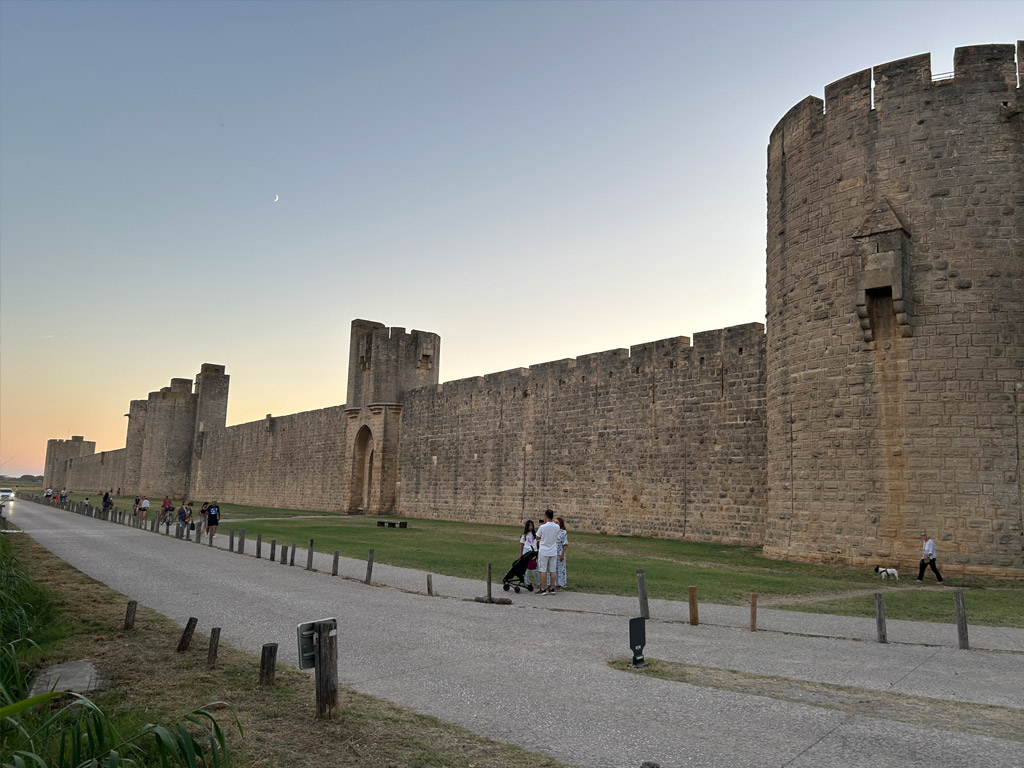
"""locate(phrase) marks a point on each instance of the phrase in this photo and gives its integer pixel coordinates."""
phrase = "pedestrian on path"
(184, 515)
(928, 558)
(548, 553)
(212, 519)
(527, 542)
(563, 544)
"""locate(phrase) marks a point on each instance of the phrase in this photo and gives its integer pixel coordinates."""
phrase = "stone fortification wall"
(661, 440)
(895, 298)
(58, 453)
(282, 461)
(97, 473)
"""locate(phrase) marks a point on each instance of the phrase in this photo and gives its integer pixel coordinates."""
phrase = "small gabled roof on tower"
(880, 219)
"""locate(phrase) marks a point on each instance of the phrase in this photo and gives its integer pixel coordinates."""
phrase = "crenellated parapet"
(662, 439)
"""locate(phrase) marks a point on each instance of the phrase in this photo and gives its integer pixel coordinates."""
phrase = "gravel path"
(536, 673)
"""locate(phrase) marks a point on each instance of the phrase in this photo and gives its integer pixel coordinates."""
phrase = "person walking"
(563, 544)
(184, 517)
(144, 510)
(213, 519)
(548, 553)
(527, 542)
(928, 558)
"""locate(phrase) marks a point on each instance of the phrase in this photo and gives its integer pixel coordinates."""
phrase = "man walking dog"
(928, 558)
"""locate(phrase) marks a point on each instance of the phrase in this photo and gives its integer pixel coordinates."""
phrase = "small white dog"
(887, 572)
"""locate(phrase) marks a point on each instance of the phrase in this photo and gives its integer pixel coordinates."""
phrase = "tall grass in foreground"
(58, 729)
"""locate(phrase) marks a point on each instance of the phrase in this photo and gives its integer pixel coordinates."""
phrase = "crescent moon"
(275, 198)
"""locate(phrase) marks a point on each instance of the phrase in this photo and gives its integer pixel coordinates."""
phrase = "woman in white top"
(527, 542)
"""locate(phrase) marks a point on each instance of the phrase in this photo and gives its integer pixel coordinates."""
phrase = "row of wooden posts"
(326, 661)
(124, 517)
(958, 595)
(958, 598)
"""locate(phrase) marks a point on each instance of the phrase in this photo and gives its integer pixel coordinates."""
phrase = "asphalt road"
(536, 673)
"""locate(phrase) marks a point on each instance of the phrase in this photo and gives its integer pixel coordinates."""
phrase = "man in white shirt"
(928, 558)
(547, 554)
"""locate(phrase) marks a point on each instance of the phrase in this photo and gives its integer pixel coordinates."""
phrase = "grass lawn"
(607, 565)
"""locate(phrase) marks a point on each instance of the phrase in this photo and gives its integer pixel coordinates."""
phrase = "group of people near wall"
(549, 539)
(209, 518)
(61, 495)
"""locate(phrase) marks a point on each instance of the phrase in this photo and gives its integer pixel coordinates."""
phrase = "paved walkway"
(536, 674)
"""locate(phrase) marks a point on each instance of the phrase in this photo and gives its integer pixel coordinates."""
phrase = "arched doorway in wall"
(362, 471)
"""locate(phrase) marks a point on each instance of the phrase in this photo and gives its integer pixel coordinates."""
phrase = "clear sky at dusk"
(530, 180)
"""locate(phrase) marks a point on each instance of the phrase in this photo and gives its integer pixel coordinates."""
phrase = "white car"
(6, 494)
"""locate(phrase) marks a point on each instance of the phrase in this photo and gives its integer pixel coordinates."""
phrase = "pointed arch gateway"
(362, 471)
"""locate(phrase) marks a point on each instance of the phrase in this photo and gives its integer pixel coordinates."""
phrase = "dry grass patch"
(964, 717)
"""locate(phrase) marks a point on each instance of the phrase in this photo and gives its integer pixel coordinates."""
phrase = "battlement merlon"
(993, 69)
(737, 340)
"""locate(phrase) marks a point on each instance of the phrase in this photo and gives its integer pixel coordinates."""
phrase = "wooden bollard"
(694, 620)
(241, 541)
(259, 546)
(231, 540)
(369, 567)
(309, 556)
(186, 636)
(284, 554)
(129, 615)
(753, 611)
(291, 557)
(641, 587)
(273, 549)
(430, 585)
(181, 533)
(334, 568)
(490, 597)
(211, 655)
(326, 670)
(268, 663)
(961, 621)
(880, 618)
(211, 539)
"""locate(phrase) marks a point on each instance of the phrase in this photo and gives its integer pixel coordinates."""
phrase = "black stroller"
(514, 578)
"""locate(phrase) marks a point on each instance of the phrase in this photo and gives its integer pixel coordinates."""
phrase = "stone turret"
(58, 452)
(895, 298)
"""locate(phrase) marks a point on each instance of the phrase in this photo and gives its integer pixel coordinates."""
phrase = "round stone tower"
(895, 309)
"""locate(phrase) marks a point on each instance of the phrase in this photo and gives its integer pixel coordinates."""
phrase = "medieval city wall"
(293, 461)
(664, 439)
(885, 399)
(895, 317)
(97, 472)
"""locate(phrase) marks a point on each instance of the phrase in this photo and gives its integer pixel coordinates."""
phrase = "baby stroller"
(514, 578)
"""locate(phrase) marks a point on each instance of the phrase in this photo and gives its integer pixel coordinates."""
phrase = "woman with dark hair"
(563, 544)
(527, 542)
